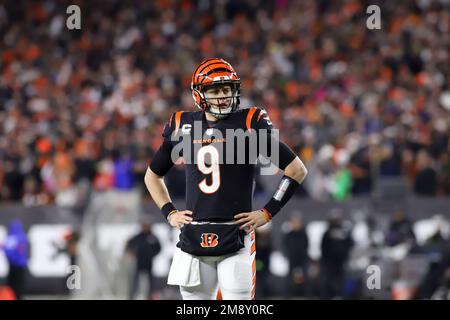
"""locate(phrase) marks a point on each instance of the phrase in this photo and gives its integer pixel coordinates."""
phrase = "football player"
(216, 249)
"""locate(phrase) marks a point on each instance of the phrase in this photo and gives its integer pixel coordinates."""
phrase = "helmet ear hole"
(198, 99)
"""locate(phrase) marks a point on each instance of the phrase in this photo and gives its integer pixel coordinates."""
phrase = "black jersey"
(219, 172)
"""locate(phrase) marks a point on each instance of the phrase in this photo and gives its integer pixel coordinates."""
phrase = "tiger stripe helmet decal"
(210, 72)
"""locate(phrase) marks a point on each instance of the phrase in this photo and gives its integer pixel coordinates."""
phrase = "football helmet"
(211, 72)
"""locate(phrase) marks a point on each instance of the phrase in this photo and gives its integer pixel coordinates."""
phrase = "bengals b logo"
(209, 240)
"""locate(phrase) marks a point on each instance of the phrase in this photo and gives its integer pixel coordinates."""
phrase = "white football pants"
(228, 277)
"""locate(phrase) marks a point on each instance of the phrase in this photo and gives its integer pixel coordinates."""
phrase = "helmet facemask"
(213, 72)
(212, 104)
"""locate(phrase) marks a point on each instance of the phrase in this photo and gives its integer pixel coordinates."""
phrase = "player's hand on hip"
(180, 218)
(249, 221)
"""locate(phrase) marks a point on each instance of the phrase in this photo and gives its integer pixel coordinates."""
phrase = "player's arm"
(294, 173)
(161, 163)
(157, 189)
(296, 170)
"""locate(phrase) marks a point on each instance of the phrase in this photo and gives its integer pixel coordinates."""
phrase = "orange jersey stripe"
(253, 249)
(253, 279)
(177, 120)
(248, 121)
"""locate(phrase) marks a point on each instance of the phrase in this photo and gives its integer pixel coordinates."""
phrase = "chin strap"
(220, 115)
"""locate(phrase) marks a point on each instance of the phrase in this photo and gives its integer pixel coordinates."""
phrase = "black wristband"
(167, 209)
(273, 207)
(284, 192)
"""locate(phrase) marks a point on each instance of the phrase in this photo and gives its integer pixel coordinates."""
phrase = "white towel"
(185, 270)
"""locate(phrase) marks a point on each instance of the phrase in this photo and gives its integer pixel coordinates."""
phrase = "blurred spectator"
(296, 244)
(436, 282)
(336, 245)
(400, 231)
(437, 250)
(68, 99)
(342, 184)
(360, 168)
(84, 165)
(104, 179)
(143, 247)
(12, 187)
(6, 293)
(32, 195)
(390, 164)
(263, 240)
(124, 175)
(426, 179)
(71, 246)
(444, 176)
(17, 253)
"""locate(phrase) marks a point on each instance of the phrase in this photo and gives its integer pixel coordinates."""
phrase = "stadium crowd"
(87, 107)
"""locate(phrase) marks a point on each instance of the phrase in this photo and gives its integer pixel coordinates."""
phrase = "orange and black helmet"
(211, 72)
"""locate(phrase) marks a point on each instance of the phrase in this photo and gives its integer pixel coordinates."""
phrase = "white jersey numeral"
(212, 168)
